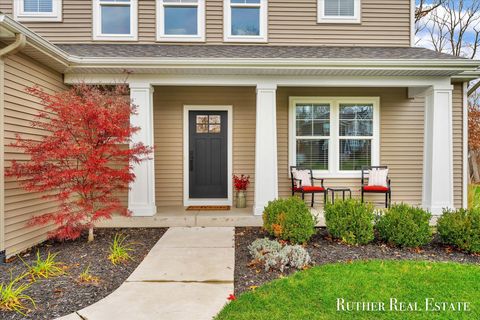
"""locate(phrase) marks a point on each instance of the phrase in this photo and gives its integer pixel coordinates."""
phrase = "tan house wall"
(168, 135)
(401, 140)
(384, 23)
(20, 108)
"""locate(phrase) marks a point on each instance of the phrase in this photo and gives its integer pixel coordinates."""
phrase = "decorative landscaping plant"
(45, 268)
(274, 255)
(351, 221)
(461, 228)
(289, 219)
(240, 183)
(83, 163)
(119, 250)
(405, 226)
(13, 298)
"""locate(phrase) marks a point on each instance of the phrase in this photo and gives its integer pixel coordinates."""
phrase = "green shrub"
(405, 226)
(351, 221)
(289, 219)
(461, 228)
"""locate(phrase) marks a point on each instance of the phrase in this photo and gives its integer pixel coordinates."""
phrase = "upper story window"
(38, 10)
(181, 20)
(245, 20)
(335, 137)
(115, 20)
(339, 11)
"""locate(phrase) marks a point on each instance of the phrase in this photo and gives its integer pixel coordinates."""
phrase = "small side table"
(342, 190)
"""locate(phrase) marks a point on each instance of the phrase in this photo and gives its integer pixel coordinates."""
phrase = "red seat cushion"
(310, 189)
(375, 188)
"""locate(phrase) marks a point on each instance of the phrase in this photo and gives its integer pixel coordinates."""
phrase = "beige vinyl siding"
(20, 108)
(401, 140)
(168, 135)
(384, 23)
(458, 144)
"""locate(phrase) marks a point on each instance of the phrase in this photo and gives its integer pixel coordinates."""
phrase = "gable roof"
(252, 52)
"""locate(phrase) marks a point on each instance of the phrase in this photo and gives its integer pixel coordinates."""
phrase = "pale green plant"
(13, 297)
(45, 268)
(120, 250)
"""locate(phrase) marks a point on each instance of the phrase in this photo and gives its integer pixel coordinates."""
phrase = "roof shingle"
(251, 52)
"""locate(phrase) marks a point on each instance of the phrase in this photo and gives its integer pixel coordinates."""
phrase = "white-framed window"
(339, 11)
(38, 10)
(115, 20)
(245, 20)
(334, 136)
(180, 20)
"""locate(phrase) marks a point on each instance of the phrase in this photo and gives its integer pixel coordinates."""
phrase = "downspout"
(19, 44)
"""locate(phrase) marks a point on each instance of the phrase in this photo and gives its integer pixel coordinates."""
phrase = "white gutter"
(19, 44)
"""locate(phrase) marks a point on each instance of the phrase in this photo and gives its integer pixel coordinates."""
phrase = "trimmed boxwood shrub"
(461, 228)
(405, 226)
(351, 221)
(289, 219)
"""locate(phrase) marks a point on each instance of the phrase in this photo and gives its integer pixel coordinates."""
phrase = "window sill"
(339, 21)
(38, 18)
(180, 39)
(245, 39)
(115, 38)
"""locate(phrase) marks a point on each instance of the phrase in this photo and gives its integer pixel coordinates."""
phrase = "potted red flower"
(240, 183)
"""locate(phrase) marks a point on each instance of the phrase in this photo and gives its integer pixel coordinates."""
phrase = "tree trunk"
(475, 169)
(90, 234)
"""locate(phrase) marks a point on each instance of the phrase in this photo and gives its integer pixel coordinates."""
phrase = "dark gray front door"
(208, 154)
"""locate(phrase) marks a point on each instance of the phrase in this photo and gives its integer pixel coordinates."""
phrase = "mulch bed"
(63, 295)
(323, 249)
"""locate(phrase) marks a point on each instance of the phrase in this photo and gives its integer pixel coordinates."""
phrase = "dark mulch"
(59, 296)
(323, 249)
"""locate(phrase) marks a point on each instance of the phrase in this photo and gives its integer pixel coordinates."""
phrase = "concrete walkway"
(188, 274)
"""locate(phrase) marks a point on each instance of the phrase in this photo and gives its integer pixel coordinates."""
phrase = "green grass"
(473, 196)
(312, 294)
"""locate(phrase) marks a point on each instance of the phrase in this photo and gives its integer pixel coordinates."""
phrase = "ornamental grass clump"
(275, 256)
(289, 219)
(45, 268)
(86, 277)
(405, 226)
(13, 297)
(119, 250)
(461, 228)
(350, 221)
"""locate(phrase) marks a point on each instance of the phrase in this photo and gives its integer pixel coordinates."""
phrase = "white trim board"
(186, 181)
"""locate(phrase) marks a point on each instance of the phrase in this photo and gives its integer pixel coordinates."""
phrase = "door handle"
(191, 160)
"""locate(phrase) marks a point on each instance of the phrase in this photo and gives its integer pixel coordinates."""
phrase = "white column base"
(438, 151)
(141, 196)
(266, 180)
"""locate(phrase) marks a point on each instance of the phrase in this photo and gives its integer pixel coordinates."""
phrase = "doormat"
(208, 208)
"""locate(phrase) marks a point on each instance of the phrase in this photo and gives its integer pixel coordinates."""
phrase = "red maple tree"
(83, 162)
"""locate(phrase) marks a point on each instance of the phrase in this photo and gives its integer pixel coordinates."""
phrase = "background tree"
(83, 162)
(453, 27)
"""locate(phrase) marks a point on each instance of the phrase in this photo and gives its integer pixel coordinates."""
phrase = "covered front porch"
(420, 134)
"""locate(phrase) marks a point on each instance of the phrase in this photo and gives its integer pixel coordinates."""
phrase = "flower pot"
(241, 199)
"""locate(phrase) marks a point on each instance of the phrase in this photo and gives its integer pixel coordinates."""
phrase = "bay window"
(115, 20)
(245, 20)
(181, 20)
(38, 10)
(339, 11)
(335, 137)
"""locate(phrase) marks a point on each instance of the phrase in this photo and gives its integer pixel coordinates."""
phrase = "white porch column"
(438, 151)
(266, 181)
(141, 196)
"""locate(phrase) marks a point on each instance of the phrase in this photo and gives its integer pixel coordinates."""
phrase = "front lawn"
(313, 294)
